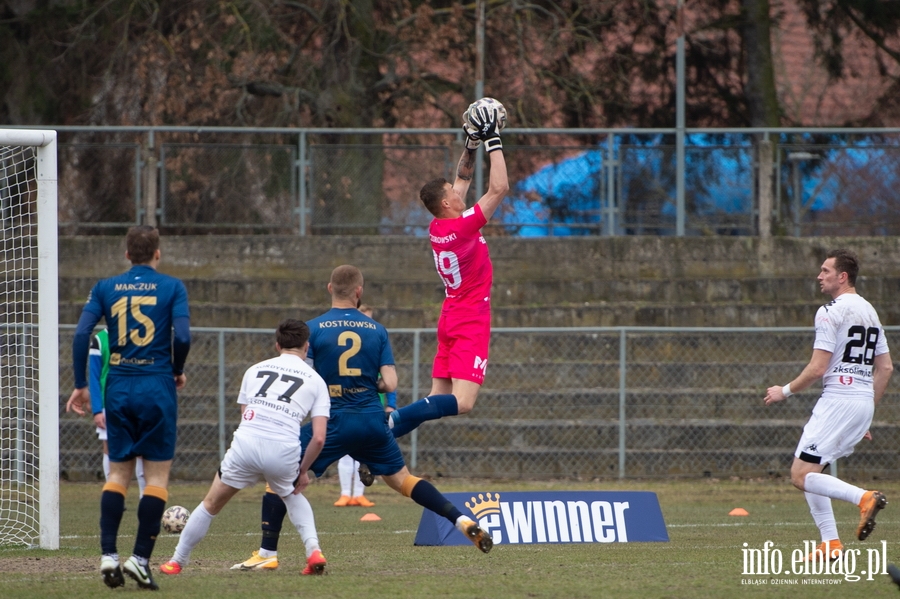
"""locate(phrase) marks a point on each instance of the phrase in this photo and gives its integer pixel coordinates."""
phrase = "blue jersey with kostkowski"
(139, 307)
(348, 350)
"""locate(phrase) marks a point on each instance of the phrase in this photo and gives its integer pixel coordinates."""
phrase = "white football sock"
(301, 515)
(823, 516)
(194, 531)
(139, 473)
(829, 486)
(357, 483)
(345, 473)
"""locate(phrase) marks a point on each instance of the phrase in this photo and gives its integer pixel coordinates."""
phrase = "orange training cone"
(738, 511)
(370, 517)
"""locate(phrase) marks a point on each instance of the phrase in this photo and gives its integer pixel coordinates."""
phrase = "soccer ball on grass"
(175, 518)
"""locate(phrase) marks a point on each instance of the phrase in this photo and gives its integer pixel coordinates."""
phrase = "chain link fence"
(563, 182)
(579, 403)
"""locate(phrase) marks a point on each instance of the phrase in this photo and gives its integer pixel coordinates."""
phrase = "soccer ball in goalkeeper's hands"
(175, 518)
(490, 104)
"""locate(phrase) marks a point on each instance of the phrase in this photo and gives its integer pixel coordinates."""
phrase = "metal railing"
(593, 402)
(564, 181)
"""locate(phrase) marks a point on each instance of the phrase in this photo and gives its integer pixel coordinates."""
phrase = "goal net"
(29, 342)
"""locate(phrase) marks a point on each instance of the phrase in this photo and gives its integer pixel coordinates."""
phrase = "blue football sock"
(408, 418)
(427, 495)
(112, 506)
(149, 512)
(273, 512)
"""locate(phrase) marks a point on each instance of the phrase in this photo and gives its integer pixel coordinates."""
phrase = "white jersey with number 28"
(849, 328)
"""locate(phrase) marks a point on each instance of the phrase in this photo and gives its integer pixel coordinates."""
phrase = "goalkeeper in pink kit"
(464, 264)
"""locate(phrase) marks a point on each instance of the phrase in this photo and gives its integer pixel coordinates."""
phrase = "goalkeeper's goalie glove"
(485, 120)
(471, 131)
(472, 140)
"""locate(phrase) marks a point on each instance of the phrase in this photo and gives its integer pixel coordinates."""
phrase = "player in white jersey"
(275, 397)
(850, 355)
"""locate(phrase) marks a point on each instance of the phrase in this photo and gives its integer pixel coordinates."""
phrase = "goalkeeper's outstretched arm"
(465, 168)
(499, 185)
(485, 124)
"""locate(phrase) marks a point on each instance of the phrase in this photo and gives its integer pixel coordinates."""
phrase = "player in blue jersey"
(148, 320)
(350, 350)
(352, 488)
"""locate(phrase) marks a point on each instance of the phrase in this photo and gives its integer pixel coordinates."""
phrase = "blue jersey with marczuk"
(348, 349)
(139, 307)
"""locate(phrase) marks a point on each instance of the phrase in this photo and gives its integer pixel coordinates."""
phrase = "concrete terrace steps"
(601, 315)
(551, 403)
(253, 281)
(408, 304)
(644, 405)
(580, 404)
(404, 258)
(701, 302)
(675, 434)
(738, 347)
(515, 292)
(516, 376)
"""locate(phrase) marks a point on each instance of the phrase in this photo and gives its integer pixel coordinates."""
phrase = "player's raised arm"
(499, 185)
(488, 122)
(465, 168)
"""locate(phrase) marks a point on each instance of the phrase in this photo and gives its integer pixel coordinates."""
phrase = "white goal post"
(29, 340)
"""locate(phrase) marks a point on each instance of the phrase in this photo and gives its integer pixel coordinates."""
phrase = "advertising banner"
(518, 518)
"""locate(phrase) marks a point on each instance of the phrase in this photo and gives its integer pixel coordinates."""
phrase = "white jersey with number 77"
(279, 393)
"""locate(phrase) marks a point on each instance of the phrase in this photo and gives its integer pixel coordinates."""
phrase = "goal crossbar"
(26, 137)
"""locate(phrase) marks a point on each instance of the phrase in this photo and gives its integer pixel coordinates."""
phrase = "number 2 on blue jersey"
(355, 345)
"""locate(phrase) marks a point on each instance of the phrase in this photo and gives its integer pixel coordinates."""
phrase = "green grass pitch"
(704, 557)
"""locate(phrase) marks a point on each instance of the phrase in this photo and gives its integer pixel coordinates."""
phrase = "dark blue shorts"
(364, 436)
(141, 417)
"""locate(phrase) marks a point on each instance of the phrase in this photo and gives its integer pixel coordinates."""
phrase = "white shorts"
(101, 432)
(251, 459)
(834, 429)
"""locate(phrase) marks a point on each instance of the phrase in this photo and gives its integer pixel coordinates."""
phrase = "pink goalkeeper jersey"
(461, 257)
